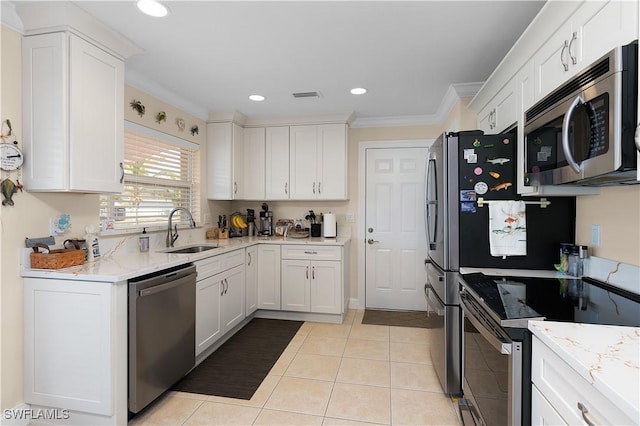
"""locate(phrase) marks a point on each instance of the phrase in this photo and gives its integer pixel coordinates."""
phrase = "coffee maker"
(251, 222)
(266, 221)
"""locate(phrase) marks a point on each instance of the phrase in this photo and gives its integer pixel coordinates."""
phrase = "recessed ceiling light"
(152, 8)
(257, 98)
(358, 91)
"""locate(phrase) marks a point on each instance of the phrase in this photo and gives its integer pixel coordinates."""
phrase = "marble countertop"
(606, 356)
(119, 267)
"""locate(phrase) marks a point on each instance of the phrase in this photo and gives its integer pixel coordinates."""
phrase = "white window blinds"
(160, 172)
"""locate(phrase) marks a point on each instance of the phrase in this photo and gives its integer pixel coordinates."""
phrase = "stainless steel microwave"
(583, 132)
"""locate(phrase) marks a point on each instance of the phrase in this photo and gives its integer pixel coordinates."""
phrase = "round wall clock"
(11, 157)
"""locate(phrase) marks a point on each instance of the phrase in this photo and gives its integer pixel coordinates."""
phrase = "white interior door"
(394, 220)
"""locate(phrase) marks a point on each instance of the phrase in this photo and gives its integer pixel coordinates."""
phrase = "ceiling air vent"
(306, 95)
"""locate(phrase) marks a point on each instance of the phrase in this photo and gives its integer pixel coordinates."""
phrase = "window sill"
(138, 230)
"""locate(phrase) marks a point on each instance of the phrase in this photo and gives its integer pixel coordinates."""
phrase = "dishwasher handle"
(160, 288)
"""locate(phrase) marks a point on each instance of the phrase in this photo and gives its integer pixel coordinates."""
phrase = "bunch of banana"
(237, 221)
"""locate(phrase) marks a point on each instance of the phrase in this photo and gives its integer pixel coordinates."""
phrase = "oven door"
(492, 370)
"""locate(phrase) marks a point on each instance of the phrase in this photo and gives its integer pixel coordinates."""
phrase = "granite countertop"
(118, 267)
(606, 356)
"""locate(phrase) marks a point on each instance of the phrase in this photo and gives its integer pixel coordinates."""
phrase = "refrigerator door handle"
(431, 239)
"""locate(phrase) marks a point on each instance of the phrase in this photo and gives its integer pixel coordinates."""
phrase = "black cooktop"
(556, 299)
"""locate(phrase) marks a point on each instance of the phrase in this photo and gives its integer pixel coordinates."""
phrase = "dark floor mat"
(237, 368)
(402, 318)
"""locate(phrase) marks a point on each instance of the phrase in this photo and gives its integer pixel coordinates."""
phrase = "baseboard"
(355, 304)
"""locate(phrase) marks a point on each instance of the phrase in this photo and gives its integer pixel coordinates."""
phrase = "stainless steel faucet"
(172, 236)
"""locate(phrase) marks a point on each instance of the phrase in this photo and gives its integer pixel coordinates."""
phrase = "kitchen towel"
(507, 228)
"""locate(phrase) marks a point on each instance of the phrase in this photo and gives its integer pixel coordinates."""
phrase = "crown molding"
(451, 97)
(9, 17)
(45, 17)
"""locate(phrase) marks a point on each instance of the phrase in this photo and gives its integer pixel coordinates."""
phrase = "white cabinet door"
(542, 413)
(251, 280)
(253, 164)
(73, 115)
(277, 163)
(96, 114)
(603, 25)
(71, 344)
(296, 289)
(485, 119)
(552, 62)
(269, 277)
(332, 162)
(326, 287)
(232, 298)
(303, 162)
(208, 326)
(506, 107)
(224, 154)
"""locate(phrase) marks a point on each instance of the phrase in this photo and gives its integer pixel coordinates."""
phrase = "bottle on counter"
(143, 241)
(93, 246)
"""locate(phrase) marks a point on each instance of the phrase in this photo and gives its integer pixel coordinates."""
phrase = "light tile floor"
(330, 374)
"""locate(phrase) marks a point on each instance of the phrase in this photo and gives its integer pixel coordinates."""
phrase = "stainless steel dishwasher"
(162, 318)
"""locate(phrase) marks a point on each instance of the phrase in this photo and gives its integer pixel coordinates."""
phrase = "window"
(160, 172)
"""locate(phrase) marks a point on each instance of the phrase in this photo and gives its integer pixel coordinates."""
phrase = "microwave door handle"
(637, 137)
(565, 134)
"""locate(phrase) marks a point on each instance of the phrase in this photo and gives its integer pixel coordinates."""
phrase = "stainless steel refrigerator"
(461, 168)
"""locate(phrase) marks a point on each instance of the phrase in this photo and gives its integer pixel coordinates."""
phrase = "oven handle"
(500, 345)
(565, 134)
(432, 301)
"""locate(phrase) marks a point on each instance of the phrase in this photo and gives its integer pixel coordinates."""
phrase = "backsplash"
(619, 274)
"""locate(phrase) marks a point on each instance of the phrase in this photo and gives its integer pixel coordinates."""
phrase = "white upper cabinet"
(502, 112)
(318, 162)
(73, 115)
(253, 164)
(277, 163)
(224, 160)
(594, 28)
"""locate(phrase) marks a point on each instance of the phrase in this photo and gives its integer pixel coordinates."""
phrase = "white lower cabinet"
(269, 277)
(75, 348)
(220, 297)
(573, 399)
(310, 283)
(251, 280)
(542, 413)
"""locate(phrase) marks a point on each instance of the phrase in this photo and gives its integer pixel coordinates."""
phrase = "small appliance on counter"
(251, 222)
(266, 220)
(330, 225)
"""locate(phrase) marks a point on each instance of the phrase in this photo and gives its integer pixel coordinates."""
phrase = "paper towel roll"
(330, 226)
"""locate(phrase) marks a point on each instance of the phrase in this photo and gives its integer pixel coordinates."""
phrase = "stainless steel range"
(497, 345)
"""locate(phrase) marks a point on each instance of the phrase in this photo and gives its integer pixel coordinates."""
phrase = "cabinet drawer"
(215, 264)
(305, 252)
(564, 388)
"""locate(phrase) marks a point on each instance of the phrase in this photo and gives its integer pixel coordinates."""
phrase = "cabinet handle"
(314, 187)
(307, 272)
(319, 183)
(226, 286)
(235, 187)
(583, 409)
(313, 272)
(286, 187)
(122, 170)
(564, 47)
(221, 287)
(310, 252)
(249, 263)
(574, 59)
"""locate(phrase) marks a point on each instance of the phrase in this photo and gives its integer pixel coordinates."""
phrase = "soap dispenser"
(143, 242)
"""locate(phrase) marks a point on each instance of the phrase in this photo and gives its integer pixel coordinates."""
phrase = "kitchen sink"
(190, 249)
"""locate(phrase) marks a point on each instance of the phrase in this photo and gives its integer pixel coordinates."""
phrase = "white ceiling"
(216, 53)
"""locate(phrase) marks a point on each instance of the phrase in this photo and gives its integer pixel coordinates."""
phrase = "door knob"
(371, 241)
